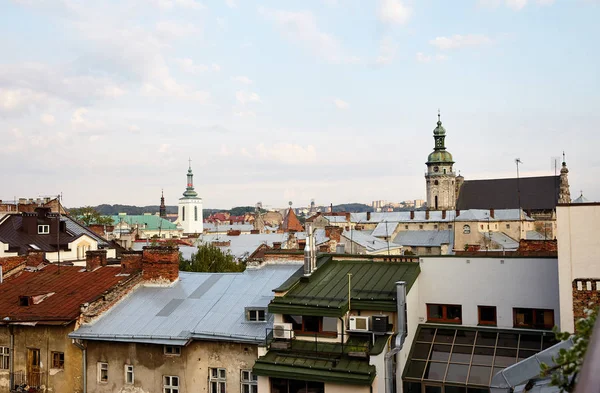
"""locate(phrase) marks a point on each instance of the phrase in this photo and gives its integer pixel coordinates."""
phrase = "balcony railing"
(33, 381)
(315, 343)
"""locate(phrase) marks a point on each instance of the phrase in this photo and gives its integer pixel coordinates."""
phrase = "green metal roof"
(325, 292)
(441, 156)
(148, 222)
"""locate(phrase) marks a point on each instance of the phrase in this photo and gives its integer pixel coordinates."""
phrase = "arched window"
(195, 213)
(436, 182)
(444, 171)
(182, 213)
(466, 229)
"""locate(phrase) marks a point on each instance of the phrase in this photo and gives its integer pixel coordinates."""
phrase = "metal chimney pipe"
(307, 253)
(401, 329)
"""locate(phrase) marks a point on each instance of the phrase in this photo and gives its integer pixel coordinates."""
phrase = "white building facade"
(190, 208)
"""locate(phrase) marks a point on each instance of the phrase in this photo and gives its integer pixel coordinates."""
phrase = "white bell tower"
(190, 207)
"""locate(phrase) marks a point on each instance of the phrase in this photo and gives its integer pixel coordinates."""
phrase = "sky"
(277, 101)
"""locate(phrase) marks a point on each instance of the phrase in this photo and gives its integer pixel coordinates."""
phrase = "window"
(449, 226)
(217, 380)
(170, 384)
(182, 213)
(102, 372)
(248, 382)
(533, 318)
(507, 226)
(435, 226)
(195, 213)
(447, 313)
(129, 378)
(172, 350)
(481, 226)
(256, 315)
(487, 315)
(466, 229)
(312, 325)
(436, 182)
(58, 360)
(420, 226)
(4, 358)
(43, 229)
(292, 385)
(406, 227)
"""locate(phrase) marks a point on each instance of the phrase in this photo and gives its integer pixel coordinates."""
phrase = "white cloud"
(545, 2)
(287, 153)
(242, 79)
(215, 67)
(164, 148)
(173, 29)
(188, 65)
(245, 97)
(423, 58)
(245, 114)
(460, 41)
(134, 128)
(516, 4)
(80, 121)
(20, 99)
(190, 4)
(340, 104)
(393, 11)
(47, 119)
(231, 3)
(302, 27)
(225, 151)
(222, 23)
(113, 91)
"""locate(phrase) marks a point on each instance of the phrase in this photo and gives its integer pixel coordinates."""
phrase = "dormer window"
(256, 314)
(43, 229)
(24, 301)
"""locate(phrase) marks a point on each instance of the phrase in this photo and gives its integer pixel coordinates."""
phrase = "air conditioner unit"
(283, 331)
(359, 323)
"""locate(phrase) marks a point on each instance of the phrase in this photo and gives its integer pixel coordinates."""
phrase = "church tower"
(440, 179)
(162, 209)
(190, 207)
(564, 193)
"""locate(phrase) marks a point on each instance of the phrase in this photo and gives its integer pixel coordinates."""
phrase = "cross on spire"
(190, 161)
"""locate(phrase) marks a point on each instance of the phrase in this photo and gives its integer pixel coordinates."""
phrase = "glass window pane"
(329, 324)
(435, 311)
(531, 341)
(505, 357)
(465, 337)
(445, 336)
(415, 369)
(435, 371)
(222, 372)
(426, 334)
(412, 387)
(483, 356)
(461, 354)
(311, 324)
(421, 351)
(486, 338)
(455, 389)
(457, 373)
(524, 354)
(510, 340)
(441, 352)
(480, 375)
(454, 313)
(315, 387)
(475, 390)
(433, 389)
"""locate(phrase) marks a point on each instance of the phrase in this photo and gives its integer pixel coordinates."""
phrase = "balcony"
(31, 382)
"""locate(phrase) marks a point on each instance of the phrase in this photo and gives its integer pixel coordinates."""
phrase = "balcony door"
(33, 366)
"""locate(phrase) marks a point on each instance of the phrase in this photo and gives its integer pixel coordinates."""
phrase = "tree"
(569, 361)
(87, 216)
(210, 258)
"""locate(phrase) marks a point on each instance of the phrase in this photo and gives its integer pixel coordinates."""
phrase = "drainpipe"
(11, 359)
(400, 336)
(79, 344)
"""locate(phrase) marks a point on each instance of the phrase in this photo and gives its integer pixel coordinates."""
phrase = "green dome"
(439, 130)
(440, 156)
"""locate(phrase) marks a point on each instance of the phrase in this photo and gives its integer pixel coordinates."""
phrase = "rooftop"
(198, 306)
(149, 222)
(57, 300)
(368, 241)
(325, 292)
(424, 238)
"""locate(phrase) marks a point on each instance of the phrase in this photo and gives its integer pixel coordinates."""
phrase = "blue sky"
(277, 101)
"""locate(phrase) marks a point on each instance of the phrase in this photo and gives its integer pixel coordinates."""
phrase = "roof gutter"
(400, 336)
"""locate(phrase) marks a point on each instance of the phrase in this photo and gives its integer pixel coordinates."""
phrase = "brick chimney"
(131, 261)
(94, 259)
(443, 214)
(492, 213)
(457, 212)
(412, 214)
(160, 264)
(34, 258)
(333, 232)
(368, 216)
(427, 214)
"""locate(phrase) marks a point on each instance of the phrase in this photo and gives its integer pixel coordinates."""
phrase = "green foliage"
(88, 215)
(210, 258)
(569, 361)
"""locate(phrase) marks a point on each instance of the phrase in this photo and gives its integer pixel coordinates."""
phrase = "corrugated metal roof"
(385, 229)
(368, 241)
(146, 221)
(420, 216)
(424, 238)
(501, 238)
(243, 245)
(199, 305)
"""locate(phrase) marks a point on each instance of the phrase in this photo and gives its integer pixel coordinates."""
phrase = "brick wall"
(526, 246)
(131, 261)
(585, 291)
(35, 258)
(94, 259)
(9, 263)
(160, 264)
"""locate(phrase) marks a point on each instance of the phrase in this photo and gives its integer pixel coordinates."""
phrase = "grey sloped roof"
(424, 238)
(368, 241)
(484, 214)
(210, 227)
(420, 216)
(198, 305)
(244, 245)
(505, 241)
(534, 235)
(319, 233)
(385, 229)
(77, 229)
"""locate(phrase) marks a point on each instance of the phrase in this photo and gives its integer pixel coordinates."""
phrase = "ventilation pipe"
(307, 251)
(400, 336)
(313, 251)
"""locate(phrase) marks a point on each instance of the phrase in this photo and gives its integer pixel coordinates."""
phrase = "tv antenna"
(554, 164)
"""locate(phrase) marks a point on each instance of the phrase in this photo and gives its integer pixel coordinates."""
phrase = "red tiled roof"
(72, 286)
(291, 222)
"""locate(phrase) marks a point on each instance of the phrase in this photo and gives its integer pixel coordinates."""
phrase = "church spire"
(564, 194)
(189, 191)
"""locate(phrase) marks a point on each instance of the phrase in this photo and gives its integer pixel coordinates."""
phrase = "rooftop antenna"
(554, 163)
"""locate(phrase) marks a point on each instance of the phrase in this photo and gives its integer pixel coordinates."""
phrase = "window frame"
(487, 323)
(256, 310)
(444, 318)
(219, 379)
(533, 325)
(170, 387)
(4, 358)
(175, 352)
(43, 229)
(128, 368)
(466, 229)
(61, 363)
(100, 367)
(251, 382)
(303, 331)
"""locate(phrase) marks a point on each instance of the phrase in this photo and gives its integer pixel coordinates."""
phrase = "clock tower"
(440, 178)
